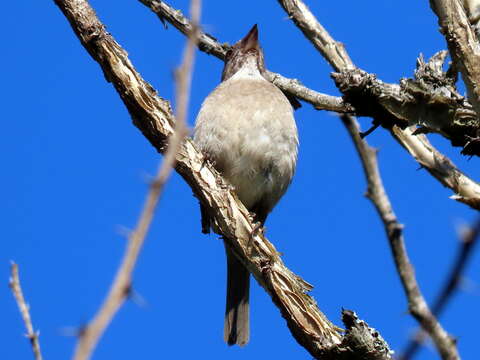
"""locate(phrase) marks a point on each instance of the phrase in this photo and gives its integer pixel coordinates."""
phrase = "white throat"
(249, 70)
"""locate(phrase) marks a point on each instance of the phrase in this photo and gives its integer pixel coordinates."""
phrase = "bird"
(246, 129)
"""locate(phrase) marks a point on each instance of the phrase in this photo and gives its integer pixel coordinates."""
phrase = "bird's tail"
(237, 312)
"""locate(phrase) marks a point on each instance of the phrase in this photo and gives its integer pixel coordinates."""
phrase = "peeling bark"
(429, 101)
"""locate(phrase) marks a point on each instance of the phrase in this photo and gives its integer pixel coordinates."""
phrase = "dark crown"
(238, 54)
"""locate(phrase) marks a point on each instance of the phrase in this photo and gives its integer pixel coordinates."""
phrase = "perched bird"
(247, 129)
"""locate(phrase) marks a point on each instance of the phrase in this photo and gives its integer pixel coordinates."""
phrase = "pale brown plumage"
(247, 129)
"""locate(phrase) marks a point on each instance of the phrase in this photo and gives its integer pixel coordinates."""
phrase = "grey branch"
(394, 230)
(429, 101)
(333, 51)
(121, 286)
(472, 8)
(438, 165)
(210, 45)
(417, 304)
(462, 44)
(16, 288)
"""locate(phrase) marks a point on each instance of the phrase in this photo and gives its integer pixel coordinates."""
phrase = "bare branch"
(468, 241)
(438, 165)
(429, 100)
(472, 8)
(210, 45)
(394, 230)
(462, 44)
(16, 288)
(333, 51)
(121, 286)
(152, 115)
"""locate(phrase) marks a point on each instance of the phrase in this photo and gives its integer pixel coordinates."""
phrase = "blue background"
(75, 173)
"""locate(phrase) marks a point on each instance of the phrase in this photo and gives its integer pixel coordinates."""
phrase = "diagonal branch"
(462, 44)
(439, 166)
(16, 288)
(121, 286)
(376, 193)
(333, 51)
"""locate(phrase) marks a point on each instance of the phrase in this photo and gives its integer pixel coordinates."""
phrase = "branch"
(430, 100)
(394, 230)
(121, 286)
(152, 115)
(462, 44)
(472, 7)
(16, 288)
(333, 51)
(208, 44)
(468, 241)
(439, 166)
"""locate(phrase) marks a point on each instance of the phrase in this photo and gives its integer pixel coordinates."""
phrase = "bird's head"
(245, 53)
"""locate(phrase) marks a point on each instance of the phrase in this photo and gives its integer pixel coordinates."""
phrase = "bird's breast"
(247, 129)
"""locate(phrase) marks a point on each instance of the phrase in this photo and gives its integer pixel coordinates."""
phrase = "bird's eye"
(228, 55)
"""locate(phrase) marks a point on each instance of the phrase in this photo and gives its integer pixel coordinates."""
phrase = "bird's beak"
(251, 40)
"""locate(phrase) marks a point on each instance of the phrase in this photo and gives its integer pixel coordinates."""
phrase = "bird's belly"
(262, 168)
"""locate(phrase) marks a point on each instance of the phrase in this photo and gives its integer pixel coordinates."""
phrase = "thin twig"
(32, 335)
(121, 286)
(468, 241)
(418, 307)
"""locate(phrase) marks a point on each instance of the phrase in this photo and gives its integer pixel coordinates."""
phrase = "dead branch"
(439, 166)
(394, 230)
(16, 288)
(462, 44)
(333, 51)
(430, 101)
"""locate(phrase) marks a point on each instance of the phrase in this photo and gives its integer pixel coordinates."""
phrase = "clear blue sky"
(75, 169)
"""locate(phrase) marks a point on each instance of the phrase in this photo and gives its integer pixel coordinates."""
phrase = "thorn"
(369, 131)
